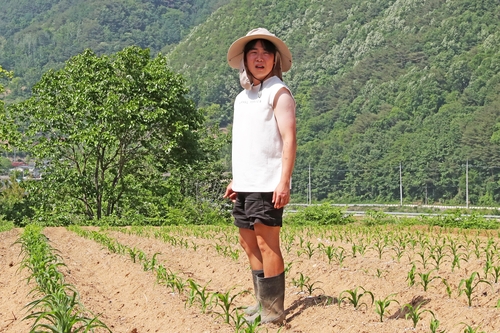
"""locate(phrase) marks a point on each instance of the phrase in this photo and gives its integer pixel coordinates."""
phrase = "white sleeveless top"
(257, 147)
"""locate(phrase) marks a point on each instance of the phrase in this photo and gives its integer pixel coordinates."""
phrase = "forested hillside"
(379, 85)
(36, 35)
(387, 90)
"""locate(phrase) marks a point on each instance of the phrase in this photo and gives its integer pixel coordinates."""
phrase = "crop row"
(57, 308)
(221, 304)
(431, 251)
(440, 258)
(428, 254)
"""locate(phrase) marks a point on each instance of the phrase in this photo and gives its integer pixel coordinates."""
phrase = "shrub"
(324, 214)
(458, 219)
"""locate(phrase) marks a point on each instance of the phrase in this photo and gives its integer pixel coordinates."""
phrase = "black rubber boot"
(271, 297)
(252, 309)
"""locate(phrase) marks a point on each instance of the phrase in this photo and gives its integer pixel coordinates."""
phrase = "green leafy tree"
(5, 164)
(3, 128)
(103, 127)
(13, 204)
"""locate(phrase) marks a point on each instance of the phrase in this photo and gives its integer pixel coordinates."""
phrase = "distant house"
(27, 170)
(18, 164)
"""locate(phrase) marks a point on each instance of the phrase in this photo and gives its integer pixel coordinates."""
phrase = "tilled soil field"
(324, 266)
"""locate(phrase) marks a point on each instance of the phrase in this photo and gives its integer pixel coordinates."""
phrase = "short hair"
(267, 45)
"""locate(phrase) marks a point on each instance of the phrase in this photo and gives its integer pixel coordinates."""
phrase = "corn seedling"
(200, 294)
(415, 313)
(162, 274)
(133, 253)
(423, 258)
(381, 305)
(239, 322)
(170, 279)
(177, 284)
(39, 259)
(288, 267)
(456, 255)
(354, 297)
(234, 254)
(225, 302)
(426, 279)
(301, 282)
(496, 273)
(470, 329)
(227, 251)
(361, 247)
(149, 265)
(491, 245)
(218, 248)
(413, 243)
(456, 258)
(309, 249)
(329, 252)
(411, 276)
(310, 288)
(438, 256)
(184, 243)
(380, 273)
(490, 254)
(354, 250)
(449, 291)
(380, 246)
(468, 286)
(477, 247)
(487, 268)
(252, 327)
(340, 256)
(434, 325)
(287, 241)
(44, 270)
(301, 242)
(398, 252)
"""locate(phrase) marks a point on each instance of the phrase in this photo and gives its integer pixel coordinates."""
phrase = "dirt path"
(14, 289)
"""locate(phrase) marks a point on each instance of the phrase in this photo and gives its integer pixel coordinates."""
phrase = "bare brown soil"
(129, 299)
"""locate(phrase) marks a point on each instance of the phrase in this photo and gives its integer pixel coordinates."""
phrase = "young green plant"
(468, 286)
(381, 305)
(354, 297)
(415, 313)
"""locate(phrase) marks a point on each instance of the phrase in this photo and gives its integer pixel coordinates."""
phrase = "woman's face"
(259, 62)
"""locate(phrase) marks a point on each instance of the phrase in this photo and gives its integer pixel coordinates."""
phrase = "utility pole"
(467, 184)
(400, 185)
(426, 193)
(309, 198)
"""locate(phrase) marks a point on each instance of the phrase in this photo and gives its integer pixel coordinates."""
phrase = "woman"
(263, 157)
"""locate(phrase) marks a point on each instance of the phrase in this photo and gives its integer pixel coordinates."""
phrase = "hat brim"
(235, 52)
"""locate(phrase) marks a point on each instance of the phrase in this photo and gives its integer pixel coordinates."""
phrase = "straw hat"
(235, 52)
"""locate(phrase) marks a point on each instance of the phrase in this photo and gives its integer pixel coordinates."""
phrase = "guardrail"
(408, 214)
(398, 205)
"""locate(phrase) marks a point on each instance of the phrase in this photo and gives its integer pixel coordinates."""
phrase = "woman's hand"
(230, 193)
(281, 195)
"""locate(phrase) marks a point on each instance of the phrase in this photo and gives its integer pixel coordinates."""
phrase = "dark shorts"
(256, 207)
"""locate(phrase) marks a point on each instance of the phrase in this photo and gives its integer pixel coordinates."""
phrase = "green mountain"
(36, 35)
(390, 94)
(386, 90)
